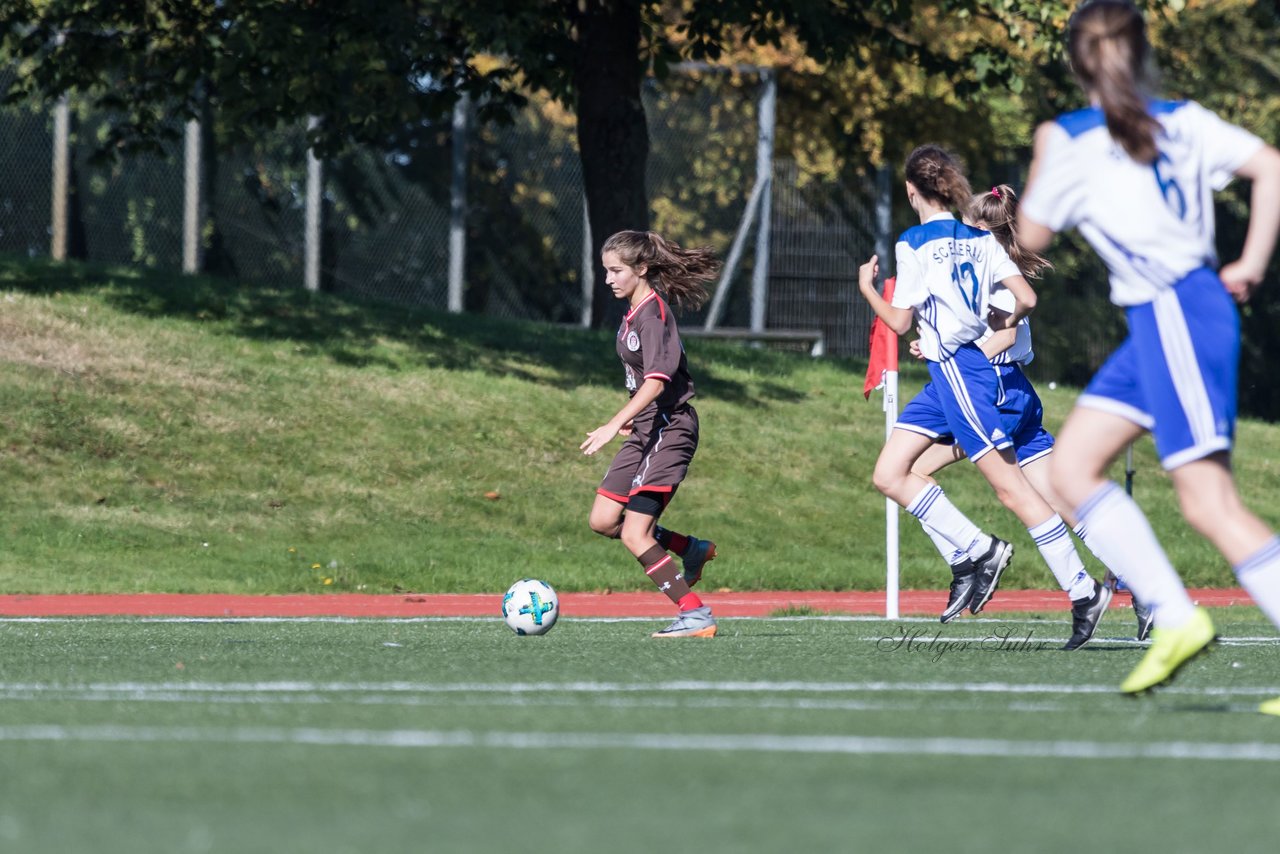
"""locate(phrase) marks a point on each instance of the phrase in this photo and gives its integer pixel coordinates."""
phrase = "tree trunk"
(613, 137)
(217, 257)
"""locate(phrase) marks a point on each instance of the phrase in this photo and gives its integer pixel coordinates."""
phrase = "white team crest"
(633, 342)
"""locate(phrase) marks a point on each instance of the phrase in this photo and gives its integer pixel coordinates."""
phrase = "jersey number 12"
(970, 295)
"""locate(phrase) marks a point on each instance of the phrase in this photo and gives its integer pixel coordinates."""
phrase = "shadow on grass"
(357, 333)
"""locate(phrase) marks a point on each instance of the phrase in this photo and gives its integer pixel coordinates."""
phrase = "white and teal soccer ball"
(530, 607)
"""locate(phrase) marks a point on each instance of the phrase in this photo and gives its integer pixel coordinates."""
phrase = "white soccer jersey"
(1020, 353)
(946, 270)
(1151, 224)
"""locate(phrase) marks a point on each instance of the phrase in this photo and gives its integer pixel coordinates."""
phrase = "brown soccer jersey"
(649, 346)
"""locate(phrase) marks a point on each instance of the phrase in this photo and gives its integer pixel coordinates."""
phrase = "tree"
(367, 68)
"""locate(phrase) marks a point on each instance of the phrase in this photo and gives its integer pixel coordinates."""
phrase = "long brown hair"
(1107, 42)
(938, 175)
(998, 213)
(680, 275)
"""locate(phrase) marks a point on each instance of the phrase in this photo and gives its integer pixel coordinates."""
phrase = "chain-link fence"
(385, 219)
(26, 162)
(126, 211)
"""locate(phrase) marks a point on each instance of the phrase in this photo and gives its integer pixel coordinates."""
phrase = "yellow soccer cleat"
(1270, 707)
(1170, 649)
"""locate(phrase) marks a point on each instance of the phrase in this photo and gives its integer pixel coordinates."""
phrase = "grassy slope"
(166, 434)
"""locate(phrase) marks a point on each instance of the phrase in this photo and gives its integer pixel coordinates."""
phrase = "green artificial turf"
(780, 734)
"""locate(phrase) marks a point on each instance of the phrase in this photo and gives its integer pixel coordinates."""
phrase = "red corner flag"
(884, 349)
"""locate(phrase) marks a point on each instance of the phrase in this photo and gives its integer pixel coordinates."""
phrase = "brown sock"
(670, 540)
(660, 567)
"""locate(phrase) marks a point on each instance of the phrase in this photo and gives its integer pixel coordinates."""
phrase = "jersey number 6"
(1169, 188)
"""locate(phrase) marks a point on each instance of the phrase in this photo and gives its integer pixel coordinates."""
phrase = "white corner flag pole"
(890, 506)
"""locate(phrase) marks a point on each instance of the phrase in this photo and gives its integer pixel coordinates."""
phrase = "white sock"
(1083, 533)
(1060, 553)
(932, 507)
(1121, 537)
(945, 547)
(1259, 574)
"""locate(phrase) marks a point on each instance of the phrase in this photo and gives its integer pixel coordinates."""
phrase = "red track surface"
(911, 602)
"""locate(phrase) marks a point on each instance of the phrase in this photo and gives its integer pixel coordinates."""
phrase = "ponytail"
(997, 212)
(1109, 52)
(938, 175)
(680, 275)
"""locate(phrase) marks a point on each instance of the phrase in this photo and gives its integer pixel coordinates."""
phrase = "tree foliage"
(860, 84)
(368, 68)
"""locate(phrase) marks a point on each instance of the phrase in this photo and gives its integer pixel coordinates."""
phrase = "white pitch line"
(454, 701)
(677, 687)
(548, 700)
(750, 743)
(1040, 644)
(556, 700)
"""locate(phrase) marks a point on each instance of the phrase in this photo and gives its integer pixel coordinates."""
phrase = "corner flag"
(882, 372)
(884, 349)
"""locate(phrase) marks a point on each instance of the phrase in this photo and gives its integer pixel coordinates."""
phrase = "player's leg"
(668, 464)
(1038, 474)
(615, 487)
(969, 389)
(638, 525)
(1089, 600)
(1176, 375)
(692, 551)
(662, 469)
(1212, 505)
(963, 574)
(606, 515)
(1038, 471)
(937, 457)
(1121, 536)
(919, 496)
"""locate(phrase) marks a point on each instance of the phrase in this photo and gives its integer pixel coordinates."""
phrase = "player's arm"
(897, 319)
(1246, 273)
(602, 435)
(1024, 302)
(1002, 337)
(1031, 234)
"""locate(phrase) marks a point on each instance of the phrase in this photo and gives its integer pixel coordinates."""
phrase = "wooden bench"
(813, 337)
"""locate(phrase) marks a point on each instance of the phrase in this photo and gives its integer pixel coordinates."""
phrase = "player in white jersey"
(946, 272)
(1022, 413)
(1136, 176)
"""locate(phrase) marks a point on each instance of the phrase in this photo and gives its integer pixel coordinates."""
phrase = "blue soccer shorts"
(1176, 373)
(960, 402)
(1021, 413)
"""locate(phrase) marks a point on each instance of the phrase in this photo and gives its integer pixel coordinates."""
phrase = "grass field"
(194, 436)
(164, 434)
(801, 734)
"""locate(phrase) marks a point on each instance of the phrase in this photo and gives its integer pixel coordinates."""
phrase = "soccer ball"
(530, 607)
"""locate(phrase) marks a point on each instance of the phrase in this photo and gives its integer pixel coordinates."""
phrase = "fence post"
(884, 221)
(61, 174)
(191, 198)
(311, 242)
(764, 173)
(458, 206)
